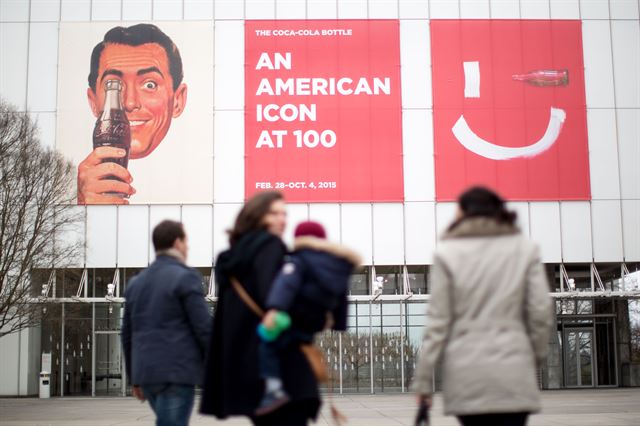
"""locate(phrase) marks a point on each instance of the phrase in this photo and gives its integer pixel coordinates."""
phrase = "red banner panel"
(509, 108)
(322, 110)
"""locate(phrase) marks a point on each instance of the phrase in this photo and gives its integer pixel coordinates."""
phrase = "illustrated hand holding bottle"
(103, 177)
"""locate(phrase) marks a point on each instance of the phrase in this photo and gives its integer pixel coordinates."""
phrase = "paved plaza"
(611, 407)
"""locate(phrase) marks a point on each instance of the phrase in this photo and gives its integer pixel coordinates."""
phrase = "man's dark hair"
(137, 35)
(166, 233)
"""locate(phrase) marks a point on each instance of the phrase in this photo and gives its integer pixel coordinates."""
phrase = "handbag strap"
(244, 296)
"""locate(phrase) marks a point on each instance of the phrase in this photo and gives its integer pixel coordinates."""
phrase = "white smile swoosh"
(477, 145)
(134, 123)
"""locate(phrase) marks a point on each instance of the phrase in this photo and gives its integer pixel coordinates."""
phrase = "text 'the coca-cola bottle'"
(543, 78)
(112, 127)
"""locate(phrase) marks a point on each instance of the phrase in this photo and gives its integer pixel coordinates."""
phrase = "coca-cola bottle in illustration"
(543, 78)
(112, 127)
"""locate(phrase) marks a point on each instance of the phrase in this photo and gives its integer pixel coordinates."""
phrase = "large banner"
(129, 99)
(323, 111)
(509, 108)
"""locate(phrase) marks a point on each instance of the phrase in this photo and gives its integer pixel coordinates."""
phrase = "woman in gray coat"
(489, 317)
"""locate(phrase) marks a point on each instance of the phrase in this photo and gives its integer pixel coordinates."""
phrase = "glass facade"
(376, 354)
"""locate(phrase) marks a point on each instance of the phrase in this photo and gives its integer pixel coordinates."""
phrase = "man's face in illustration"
(148, 96)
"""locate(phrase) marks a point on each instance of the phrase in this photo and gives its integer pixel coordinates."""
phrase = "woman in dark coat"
(233, 386)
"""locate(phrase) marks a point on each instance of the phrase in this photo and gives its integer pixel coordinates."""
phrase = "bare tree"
(35, 212)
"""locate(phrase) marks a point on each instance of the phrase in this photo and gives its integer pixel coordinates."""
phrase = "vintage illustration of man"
(135, 111)
(148, 65)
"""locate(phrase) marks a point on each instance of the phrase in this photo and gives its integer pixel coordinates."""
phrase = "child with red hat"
(311, 289)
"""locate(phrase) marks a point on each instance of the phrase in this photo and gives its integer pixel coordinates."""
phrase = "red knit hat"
(309, 228)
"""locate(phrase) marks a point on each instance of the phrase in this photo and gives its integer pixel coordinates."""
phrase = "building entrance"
(589, 352)
(578, 357)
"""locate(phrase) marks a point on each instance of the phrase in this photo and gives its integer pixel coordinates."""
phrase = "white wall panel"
(383, 9)
(229, 65)
(598, 69)
(229, 9)
(352, 9)
(565, 9)
(75, 10)
(594, 9)
(417, 146)
(445, 215)
(624, 9)
(290, 9)
(14, 11)
(224, 216)
(101, 236)
(43, 67)
(328, 214)
(46, 122)
(322, 9)
(158, 213)
(415, 59)
(136, 10)
(474, 9)
(133, 236)
(356, 230)
(444, 9)
(14, 39)
(603, 154)
(544, 222)
(388, 234)
(505, 9)
(419, 233)
(167, 10)
(625, 37)
(414, 9)
(631, 229)
(228, 161)
(629, 152)
(534, 9)
(10, 356)
(607, 230)
(260, 9)
(198, 9)
(522, 210)
(74, 234)
(575, 219)
(45, 10)
(296, 213)
(198, 225)
(105, 10)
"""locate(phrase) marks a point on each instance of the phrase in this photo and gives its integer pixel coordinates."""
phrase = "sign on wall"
(509, 108)
(129, 99)
(323, 111)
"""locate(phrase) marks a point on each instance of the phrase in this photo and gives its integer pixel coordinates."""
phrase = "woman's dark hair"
(166, 233)
(252, 213)
(480, 201)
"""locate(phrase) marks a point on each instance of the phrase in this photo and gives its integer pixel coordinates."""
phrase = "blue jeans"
(172, 403)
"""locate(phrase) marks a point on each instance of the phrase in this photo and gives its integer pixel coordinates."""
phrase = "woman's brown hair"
(252, 213)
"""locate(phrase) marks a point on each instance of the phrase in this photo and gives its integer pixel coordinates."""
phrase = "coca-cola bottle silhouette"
(544, 77)
(112, 127)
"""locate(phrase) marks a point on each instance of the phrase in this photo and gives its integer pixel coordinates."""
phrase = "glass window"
(418, 277)
(391, 279)
(360, 282)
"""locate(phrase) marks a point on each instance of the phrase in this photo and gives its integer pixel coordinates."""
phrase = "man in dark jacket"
(166, 327)
(312, 289)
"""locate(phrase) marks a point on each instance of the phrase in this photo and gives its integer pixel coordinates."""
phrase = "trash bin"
(45, 384)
